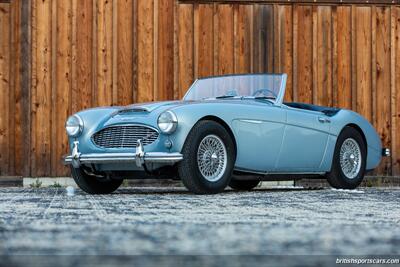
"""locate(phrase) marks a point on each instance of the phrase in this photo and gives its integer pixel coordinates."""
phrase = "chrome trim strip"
(280, 173)
(251, 121)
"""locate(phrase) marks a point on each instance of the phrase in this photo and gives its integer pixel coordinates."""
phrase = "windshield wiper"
(265, 97)
(224, 96)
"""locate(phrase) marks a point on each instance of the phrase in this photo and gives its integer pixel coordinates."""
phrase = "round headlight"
(167, 122)
(74, 126)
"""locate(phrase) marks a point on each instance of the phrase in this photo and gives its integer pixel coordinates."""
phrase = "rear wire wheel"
(349, 160)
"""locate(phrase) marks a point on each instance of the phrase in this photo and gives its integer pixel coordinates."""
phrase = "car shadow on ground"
(184, 191)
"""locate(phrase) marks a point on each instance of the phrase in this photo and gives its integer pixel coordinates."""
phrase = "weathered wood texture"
(57, 57)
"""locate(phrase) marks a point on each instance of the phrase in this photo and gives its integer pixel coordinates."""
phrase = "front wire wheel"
(208, 158)
(212, 158)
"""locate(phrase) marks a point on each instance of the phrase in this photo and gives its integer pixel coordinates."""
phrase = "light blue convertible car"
(227, 130)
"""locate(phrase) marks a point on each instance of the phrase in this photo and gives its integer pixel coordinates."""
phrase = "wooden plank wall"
(58, 57)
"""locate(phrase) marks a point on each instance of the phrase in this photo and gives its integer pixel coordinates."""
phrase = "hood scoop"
(133, 110)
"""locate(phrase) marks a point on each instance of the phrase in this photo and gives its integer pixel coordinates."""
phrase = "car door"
(259, 137)
(304, 141)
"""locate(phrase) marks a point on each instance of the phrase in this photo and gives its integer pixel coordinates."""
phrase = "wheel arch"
(224, 124)
(359, 130)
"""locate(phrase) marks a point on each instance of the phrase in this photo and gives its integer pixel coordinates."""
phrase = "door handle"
(324, 120)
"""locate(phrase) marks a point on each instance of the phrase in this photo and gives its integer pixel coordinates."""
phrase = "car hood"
(141, 113)
(152, 106)
(165, 105)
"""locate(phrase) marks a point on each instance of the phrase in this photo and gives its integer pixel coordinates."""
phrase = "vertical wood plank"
(114, 55)
(165, 50)
(185, 41)
(204, 41)
(324, 54)
(334, 56)
(373, 65)
(304, 54)
(216, 38)
(135, 51)
(61, 103)
(242, 39)
(263, 38)
(268, 11)
(145, 51)
(5, 88)
(395, 94)
(314, 49)
(41, 90)
(104, 52)
(353, 59)
(344, 57)
(155, 49)
(225, 39)
(363, 56)
(13, 63)
(53, 86)
(295, 53)
(383, 74)
(19, 127)
(82, 89)
(283, 50)
(176, 51)
(33, 87)
(124, 52)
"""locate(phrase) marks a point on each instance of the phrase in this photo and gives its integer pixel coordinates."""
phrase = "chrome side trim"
(139, 157)
(250, 121)
(278, 173)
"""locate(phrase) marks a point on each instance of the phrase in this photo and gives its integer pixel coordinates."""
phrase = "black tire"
(92, 184)
(188, 168)
(336, 177)
(243, 185)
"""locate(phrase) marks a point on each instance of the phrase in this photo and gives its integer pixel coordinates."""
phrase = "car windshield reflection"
(243, 86)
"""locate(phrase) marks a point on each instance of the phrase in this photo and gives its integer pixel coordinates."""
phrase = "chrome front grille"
(124, 136)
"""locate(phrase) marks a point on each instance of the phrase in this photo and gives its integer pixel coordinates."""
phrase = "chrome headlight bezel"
(167, 122)
(74, 126)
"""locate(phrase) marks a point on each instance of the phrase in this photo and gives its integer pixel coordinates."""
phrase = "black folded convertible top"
(328, 111)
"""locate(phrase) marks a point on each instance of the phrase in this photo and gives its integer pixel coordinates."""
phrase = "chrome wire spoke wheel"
(350, 158)
(212, 158)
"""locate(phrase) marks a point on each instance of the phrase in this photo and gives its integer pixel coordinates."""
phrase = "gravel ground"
(171, 221)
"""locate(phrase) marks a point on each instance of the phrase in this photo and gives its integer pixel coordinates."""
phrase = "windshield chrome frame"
(279, 99)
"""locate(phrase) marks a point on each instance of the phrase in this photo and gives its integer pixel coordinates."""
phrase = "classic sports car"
(228, 130)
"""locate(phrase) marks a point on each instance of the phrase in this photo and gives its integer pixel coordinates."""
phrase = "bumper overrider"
(139, 157)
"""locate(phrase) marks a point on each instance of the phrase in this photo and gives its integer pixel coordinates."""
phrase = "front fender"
(189, 115)
(374, 144)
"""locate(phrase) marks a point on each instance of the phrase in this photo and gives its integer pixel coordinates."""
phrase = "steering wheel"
(264, 91)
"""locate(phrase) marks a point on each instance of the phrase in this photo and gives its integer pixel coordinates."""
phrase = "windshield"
(266, 86)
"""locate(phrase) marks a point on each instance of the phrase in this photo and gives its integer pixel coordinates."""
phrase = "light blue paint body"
(270, 137)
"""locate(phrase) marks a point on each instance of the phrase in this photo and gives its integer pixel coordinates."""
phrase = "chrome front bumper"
(139, 157)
